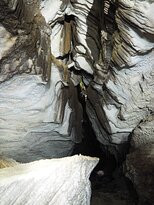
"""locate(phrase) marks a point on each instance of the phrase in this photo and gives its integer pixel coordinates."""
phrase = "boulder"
(56, 181)
(139, 165)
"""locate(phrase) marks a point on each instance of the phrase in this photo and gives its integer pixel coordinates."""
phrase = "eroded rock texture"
(104, 47)
(127, 95)
(55, 181)
(75, 31)
(24, 40)
(38, 119)
(139, 166)
(50, 50)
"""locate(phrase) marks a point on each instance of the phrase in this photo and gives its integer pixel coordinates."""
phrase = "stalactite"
(60, 65)
(67, 37)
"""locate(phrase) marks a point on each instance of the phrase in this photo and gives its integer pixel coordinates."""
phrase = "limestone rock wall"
(75, 36)
(39, 117)
(126, 96)
(103, 47)
(139, 165)
(24, 39)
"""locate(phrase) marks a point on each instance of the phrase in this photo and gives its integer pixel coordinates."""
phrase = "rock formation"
(54, 51)
(55, 181)
(39, 118)
(5, 162)
(139, 164)
(127, 95)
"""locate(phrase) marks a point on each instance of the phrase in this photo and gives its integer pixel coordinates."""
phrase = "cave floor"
(107, 191)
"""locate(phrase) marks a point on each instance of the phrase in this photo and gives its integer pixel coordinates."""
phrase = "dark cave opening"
(107, 178)
(69, 18)
(90, 146)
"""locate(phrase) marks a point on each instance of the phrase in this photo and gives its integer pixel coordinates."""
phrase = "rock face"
(126, 96)
(140, 168)
(38, 119)
(50, 50)
(103, 47)
(24, 40)
(56, 181)
(140, 162)
(143, 134)
(75, 34)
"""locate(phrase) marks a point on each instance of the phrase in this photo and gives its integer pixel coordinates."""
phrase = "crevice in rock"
(91, 49)
(69, 18)
(81, 73)
(108, 181)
